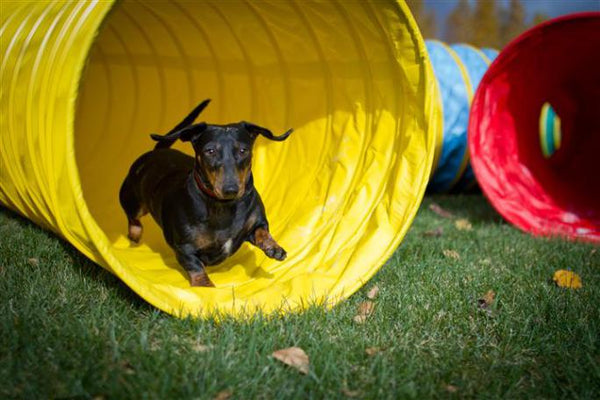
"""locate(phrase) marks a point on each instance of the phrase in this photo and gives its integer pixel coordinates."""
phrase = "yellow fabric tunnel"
(85, 83)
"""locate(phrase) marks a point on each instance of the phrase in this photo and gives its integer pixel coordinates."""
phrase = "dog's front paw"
(277, 253)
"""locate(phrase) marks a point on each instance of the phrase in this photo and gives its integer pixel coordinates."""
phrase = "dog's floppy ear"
(185, 135)
(256, 130)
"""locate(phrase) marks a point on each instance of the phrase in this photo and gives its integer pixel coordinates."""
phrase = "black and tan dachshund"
(206, 205)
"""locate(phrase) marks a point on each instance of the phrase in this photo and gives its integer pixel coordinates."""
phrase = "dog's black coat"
(206, 205)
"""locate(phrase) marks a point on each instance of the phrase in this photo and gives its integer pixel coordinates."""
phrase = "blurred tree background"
(480, 23)
(426, 19)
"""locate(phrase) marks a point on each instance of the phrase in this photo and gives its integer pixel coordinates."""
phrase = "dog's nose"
(230, 190)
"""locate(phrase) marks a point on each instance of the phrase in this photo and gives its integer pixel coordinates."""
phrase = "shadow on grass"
(474, 207)
(98, 274)
(80, 262)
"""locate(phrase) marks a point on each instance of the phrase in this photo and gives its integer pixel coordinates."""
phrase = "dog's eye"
(243, 150)
(209, 152)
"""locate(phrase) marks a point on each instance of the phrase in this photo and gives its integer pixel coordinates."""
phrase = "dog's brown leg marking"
(200, 278)
(264, 241)
(135, 230)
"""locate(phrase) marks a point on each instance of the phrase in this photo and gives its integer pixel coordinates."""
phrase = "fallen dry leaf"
(127, 367)
(223, 395)
(440, 211)
(365, 309)
(294, 357)
(34, 262)
(567, 279)
(200, 348)
(451, 388)
(371, 351)
(351, 393)
(371, 294)
(437, 232)
(487, 300)
(451, 254)
(463, 224)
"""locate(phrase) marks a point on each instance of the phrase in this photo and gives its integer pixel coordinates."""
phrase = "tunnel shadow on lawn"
(79, 262)
(475, 207)
(98, 274)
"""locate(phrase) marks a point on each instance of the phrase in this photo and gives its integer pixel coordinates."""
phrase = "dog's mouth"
(215, 187)
(219, 192)
(223, 195)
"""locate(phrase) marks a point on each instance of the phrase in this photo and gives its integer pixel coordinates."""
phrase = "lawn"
(70, 329)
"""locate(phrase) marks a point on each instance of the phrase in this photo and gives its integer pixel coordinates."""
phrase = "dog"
(206, 205)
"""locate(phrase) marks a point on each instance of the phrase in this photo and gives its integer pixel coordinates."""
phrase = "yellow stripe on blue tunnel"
(85, 83)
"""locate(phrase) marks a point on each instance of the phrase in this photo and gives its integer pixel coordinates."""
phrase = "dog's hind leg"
(135, 230)
(134, 210)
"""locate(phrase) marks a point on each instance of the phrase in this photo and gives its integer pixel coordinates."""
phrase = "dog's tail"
(187, 121)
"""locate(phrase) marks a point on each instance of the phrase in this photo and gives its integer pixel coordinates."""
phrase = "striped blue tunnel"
(458, 69)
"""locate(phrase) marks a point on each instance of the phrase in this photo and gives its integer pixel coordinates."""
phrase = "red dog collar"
(202, 186)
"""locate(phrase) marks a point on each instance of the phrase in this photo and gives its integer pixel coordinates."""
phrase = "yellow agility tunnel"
(85, 83)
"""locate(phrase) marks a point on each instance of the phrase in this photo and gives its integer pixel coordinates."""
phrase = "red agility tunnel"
(534, 129)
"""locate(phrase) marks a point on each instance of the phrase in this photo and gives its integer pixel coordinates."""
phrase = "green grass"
(70, 329)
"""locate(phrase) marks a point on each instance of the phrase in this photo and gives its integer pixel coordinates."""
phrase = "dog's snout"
(230, 189)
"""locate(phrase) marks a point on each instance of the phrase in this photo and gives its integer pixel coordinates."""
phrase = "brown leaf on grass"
(351, 393)
(373, 292)
(200, 348)
(294, 357)
(371, 351)
(34, 262)
(486, 300)
(223, 395)
(437, 232)
(440, 211)
(567, 279)
(365, 309)
(451, 254)
(451, 388)
(463, 224)
(127, 368)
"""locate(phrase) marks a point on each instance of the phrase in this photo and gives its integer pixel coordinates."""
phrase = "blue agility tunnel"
(458, 69)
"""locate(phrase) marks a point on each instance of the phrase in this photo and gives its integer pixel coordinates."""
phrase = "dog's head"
(223, 156)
